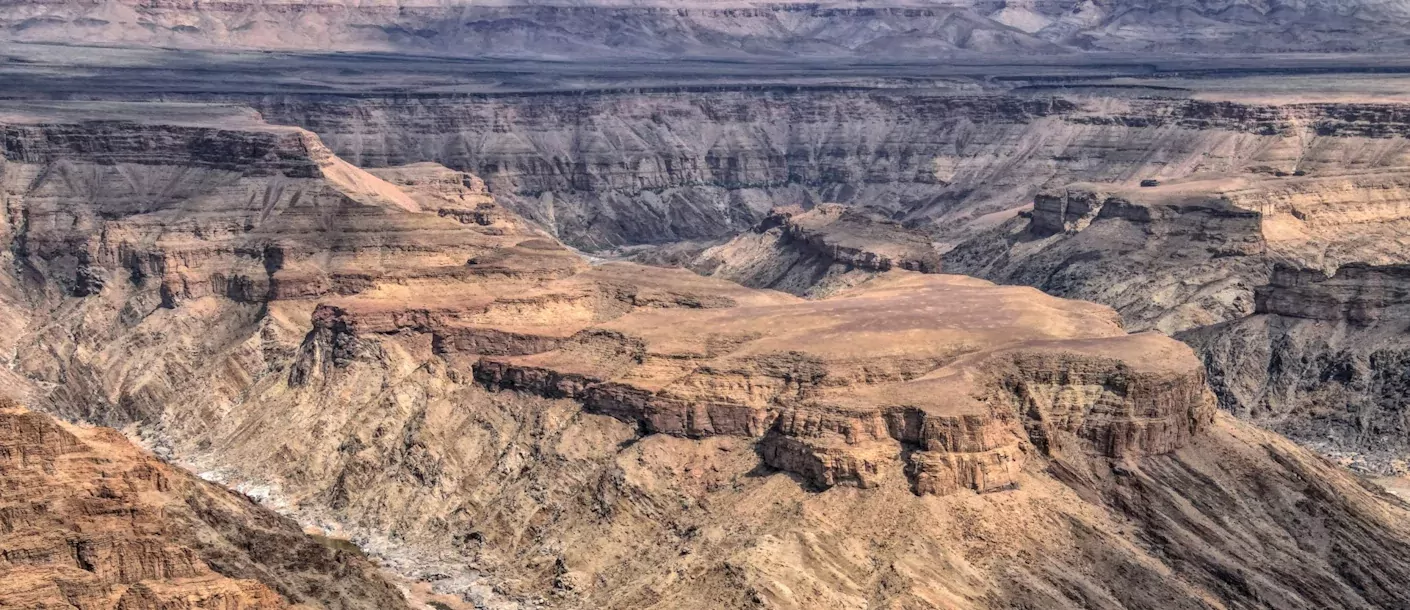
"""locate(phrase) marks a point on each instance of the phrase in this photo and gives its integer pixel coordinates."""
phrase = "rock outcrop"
(92, 522)
(1169, 260)
(969, 376)
(806, 252)
(390, 354)
(1358, 293)
(1290, 287)
(1321, 359)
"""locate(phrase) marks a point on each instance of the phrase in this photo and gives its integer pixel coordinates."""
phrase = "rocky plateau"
(392, 354)
(903, 305)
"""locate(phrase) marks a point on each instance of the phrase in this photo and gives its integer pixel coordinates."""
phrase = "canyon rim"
(706, 305)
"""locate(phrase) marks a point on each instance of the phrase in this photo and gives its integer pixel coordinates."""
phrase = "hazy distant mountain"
(894, 30)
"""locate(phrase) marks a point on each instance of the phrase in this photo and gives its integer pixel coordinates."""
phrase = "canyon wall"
(391, 354)
(1034, 190)
(1290, 287)
(649, 167)
(1321, 359)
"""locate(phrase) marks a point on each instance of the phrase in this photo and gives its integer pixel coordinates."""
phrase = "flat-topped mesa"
(1359, 293)
(951, 380)
(853, 237)
(811, 252)
(260, 150)
(1073, 208)
(537, 298)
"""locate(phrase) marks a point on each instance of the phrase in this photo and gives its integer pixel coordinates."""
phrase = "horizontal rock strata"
(1291, 287)
(671, 478)
(958, 379)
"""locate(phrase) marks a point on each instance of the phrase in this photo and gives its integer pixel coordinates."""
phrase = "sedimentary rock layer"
(808, 253)
(614, 168)
(1291, 287)
(392, 354)
(92, 522)
(969, 375)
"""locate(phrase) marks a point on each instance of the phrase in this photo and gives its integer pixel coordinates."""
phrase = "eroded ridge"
(88, 521)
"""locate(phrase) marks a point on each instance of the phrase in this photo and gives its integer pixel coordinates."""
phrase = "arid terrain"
(718, 305)
(911, 29)
(91, 521)
(389, 354)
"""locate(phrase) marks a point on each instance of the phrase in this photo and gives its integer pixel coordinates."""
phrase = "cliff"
(1167, 259)
(610, 168)
(808, 252)
(1320, 360)
(1290, 288)
(389, 354)
(1359, 293)
(92, 522)
(838, 392)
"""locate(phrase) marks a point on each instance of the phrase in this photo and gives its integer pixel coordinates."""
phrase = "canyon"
(620, 305)
(390, 354)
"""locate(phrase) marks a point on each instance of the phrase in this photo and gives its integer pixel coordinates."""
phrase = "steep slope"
(625, 167)
(394, 355)
(92, 522)
(1171, 258)
(1321, 359)
(1288, 286)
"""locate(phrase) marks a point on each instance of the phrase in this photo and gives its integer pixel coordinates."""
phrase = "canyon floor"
(704, 334)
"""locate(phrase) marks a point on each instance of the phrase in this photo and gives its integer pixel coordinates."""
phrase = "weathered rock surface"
(1321, 359)
(1167, 262)
(89, 521)
(614, 168)
(968, 375)
(403, 360)
(1291, 288)
(808, 253)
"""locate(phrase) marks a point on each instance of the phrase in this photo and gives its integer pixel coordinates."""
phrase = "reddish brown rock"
(970, 375)
(88, 521)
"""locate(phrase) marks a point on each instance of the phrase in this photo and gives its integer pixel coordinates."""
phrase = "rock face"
(1321, 359)
(808, 253)
(711, 28)
(391, 352)
(1290, 287)
(615, 168)
(92, 522)
(1360, 294)
(1170, 260)
(838, 388)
